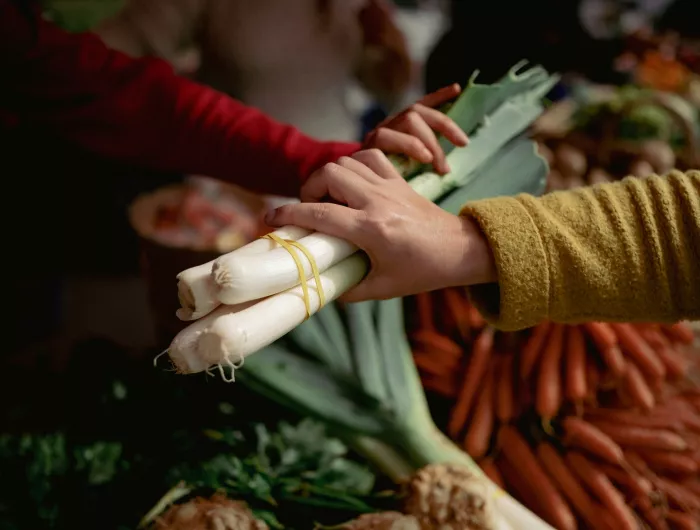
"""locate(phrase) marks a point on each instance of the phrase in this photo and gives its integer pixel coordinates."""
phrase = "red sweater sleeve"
(139, 111)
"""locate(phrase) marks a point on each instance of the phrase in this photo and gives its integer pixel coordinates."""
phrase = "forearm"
(138, 111)
(626, 251)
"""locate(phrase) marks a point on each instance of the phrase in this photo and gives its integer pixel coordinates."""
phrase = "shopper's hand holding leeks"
(413, 244)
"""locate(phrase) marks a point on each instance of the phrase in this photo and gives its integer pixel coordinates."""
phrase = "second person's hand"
(412, 132)
(413, 244)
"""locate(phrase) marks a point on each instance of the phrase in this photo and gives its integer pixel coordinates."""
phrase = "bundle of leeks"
(352, 367)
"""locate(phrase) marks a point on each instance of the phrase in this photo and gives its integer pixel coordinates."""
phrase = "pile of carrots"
(592, 426)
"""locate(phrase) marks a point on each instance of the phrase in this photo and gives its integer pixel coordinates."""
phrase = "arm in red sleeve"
(139, 111)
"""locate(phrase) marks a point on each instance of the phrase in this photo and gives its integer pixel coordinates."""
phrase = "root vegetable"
(518, 453)
(533, 349)
(665, 462)
(476, 369)
(638, 350)
(548, 397)
(505, 390)
(476, 442)
(600, 485)
(571, 162)
(659, 155)
(598, 176)
(641, 168)
(641, 437)
(637, 389)
(582, 435)
(575, 361)
(555, 181)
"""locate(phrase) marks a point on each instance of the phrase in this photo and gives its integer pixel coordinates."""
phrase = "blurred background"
(334, 69)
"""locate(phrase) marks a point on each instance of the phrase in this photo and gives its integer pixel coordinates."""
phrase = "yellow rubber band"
(290, 246)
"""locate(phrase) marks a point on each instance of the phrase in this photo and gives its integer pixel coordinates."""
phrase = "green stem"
(425, 444)
(384, 457)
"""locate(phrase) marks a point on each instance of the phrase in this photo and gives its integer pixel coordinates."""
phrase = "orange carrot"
(475, 318)
(548, 396)
(680, 332)
(437, 344)
(519, 485)
(518, 453)
(592, 380)
(642, 437)
(489, 468)
(637, 388)
(654, 517)
(681, 521)
(678, 496)
(633, 418)
(476, 442)
(639, 351)
(639, 486)
(475, 370)
(614, 360)
(599, 484)
(505, 390)
(425, 310)
(458, 310)
(533, 349)
(575, 365)
(446, 387)
(665, 462)
(430, 364)
(674, 363)
(568, 484)
(582, 435)
(602, 334)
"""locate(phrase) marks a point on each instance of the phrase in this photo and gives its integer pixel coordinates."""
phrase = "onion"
(659, 155)
(570, 161)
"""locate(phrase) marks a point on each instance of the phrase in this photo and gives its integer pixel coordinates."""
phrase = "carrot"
(425, 310)
(568, 484)
(488, 466)
(475, 318)
(639, 351)
(533, 348)
(642, 437)
(575, 365)
(637, 388)
(674, 363)
(505, 390)
(437, 344)
(633, 418)
(592, 380)
(518, 453)
(440, 385)
(457, 308)
(681, 521)
(678, 496)
(548, 396)
(680, 332)
(519, 485)
(637, 485)
(431, 364)
(475, 370)
(655, 518)
(614, 360)
(480, 429)
(582, 435)
(602, 334)
(599, 485)
(665, 462)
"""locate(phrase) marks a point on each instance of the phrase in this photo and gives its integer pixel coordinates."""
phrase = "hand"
(412, 132)
(413, 245)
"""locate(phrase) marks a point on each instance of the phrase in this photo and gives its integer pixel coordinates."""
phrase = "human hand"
(413, 245)
(412, 131)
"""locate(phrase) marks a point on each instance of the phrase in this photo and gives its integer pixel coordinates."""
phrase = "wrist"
(477, 265)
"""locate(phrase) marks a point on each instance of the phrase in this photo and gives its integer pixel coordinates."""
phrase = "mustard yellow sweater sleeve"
(626, 251)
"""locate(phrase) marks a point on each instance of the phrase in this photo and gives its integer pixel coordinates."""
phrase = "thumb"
(328, 218)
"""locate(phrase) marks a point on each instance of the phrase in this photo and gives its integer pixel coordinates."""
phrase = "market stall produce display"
(351, 367)
(591, 426)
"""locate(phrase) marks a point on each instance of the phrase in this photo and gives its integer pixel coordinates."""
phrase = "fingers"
(375, 160)
(412, 123)
(332, 219)
(337, 182)
(441, 96)
(398, 142)
(443, 124)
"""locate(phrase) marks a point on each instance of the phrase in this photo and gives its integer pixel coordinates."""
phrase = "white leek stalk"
(231, 333)
(196, 288)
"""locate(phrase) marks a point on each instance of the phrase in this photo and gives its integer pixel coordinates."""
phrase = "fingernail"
(427, 155)
(463, 137)
(270, 216)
